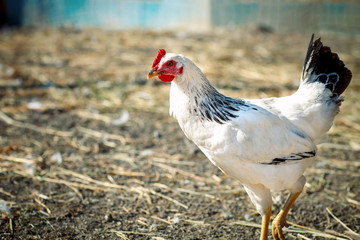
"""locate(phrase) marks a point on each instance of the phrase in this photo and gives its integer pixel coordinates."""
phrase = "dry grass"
(88, 150)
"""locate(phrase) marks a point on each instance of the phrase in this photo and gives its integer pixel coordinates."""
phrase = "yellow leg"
(280, 220)
(265, 225)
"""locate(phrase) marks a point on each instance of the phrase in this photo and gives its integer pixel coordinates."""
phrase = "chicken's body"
(266, 144)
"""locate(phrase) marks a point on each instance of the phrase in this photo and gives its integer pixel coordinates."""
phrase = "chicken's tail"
(323, 66)
(323, 79)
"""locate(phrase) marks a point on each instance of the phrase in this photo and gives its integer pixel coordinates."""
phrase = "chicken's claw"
(278, 223)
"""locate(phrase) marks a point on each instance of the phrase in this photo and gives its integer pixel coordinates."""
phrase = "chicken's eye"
(169, 63)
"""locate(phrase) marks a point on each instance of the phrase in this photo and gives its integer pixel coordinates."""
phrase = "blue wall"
(111, 14)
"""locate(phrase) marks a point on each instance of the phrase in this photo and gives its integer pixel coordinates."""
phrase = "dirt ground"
(88, 150)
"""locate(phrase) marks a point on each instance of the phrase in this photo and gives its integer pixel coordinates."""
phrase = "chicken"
(264, 143)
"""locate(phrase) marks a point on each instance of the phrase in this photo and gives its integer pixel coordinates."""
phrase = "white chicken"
(265, 143)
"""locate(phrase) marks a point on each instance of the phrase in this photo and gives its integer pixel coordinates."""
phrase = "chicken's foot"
(265, 224)
(280, 220)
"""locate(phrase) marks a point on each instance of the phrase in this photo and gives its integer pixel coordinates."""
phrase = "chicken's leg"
(265, 225)
(280, 220)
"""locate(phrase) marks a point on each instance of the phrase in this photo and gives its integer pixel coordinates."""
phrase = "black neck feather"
(210, 105)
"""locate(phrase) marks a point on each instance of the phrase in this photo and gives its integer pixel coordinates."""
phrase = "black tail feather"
(321, 65)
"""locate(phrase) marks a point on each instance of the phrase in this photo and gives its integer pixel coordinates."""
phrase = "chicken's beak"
(152, 74)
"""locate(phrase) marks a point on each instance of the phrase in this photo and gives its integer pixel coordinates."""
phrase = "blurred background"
(201, 15)
(89, 151)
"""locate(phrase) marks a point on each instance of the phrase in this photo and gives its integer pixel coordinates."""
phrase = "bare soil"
(88, 151)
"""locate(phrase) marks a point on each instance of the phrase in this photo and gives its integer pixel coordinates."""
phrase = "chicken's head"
(166, 66)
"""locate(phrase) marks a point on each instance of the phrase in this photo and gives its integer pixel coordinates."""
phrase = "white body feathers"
(241, 147)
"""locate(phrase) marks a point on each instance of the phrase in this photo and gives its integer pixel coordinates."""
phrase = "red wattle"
(166, 78)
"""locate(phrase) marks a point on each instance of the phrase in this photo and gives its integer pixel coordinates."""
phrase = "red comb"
(157, 60)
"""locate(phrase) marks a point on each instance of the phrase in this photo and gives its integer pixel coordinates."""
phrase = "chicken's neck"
(193, 97)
